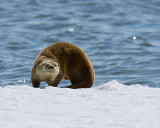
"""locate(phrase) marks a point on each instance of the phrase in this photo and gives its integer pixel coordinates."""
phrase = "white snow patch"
(112, 105)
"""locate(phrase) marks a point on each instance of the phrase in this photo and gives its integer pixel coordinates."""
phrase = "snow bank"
(112, 105)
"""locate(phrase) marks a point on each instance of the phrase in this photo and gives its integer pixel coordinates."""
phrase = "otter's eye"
(54, 65)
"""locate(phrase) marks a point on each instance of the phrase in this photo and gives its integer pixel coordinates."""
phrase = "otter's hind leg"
(74, 86)
(78, 82)
(78, 85)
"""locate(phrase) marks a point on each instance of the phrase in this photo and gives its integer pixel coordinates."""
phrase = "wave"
(115, 85)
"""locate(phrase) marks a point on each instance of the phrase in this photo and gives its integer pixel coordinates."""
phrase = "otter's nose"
(51, 67)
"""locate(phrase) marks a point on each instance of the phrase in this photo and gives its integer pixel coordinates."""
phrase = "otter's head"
(47, 69)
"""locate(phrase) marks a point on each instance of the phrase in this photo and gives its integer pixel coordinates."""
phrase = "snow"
(111, 105)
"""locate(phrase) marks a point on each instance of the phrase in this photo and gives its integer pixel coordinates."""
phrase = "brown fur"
(73, 63)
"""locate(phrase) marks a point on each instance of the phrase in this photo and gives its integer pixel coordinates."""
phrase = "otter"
(63, 60)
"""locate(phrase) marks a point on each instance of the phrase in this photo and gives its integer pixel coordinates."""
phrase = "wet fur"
(73, 64)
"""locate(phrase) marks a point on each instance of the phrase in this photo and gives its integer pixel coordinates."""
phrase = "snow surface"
(112, 105)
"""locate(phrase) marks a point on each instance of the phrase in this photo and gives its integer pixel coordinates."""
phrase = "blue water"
(105, 30)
